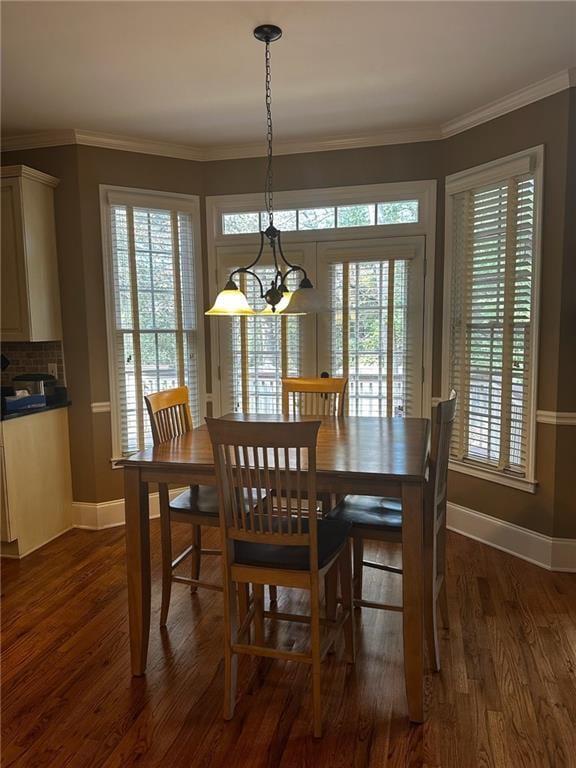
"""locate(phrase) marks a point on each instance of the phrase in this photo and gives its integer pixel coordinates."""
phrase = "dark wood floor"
(506, 695)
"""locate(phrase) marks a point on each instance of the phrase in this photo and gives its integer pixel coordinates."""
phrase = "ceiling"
(191, 72)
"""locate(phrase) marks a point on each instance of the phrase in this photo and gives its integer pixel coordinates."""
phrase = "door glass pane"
(264, 349)
(369, 335)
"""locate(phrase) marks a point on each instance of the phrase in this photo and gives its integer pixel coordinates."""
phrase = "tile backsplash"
(32, 357)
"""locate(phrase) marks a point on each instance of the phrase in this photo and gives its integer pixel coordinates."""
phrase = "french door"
(371, 330)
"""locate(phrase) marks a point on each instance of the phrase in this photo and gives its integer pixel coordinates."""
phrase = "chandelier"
(231, 301)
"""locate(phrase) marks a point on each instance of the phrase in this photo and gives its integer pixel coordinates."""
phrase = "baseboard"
(109, 514)
(554, 554)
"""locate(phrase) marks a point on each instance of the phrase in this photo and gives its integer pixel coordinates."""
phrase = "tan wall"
(82, 169)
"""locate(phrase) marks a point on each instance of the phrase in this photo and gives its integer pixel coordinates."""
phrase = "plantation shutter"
(153, 315)
(490, 324)
(264, 350)
(373, 330)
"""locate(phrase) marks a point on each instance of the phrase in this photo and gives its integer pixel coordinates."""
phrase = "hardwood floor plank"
(506, 696)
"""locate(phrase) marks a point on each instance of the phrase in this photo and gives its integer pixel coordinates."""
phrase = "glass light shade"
(230, 302)
(282, 308)
(306, 300)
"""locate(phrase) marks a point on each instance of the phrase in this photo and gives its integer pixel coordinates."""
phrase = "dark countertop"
(32, 411)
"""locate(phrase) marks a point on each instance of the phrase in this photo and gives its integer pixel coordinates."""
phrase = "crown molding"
(521, 98)
(39, 140)
(23, 171)
(406, 136)
(143, 146)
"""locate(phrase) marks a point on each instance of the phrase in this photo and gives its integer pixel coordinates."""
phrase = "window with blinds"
(372, 336)
(152, 312)
(491, 343)
(263, 350)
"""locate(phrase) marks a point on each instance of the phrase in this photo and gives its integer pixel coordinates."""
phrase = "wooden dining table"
(355, 454)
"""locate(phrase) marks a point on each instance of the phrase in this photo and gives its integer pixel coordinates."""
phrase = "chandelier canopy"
(280, 300)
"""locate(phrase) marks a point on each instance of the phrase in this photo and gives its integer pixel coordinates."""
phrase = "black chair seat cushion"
(332, 535)
(369, 512)
(206, 500)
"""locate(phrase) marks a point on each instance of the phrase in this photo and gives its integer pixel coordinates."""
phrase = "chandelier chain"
(268, 193)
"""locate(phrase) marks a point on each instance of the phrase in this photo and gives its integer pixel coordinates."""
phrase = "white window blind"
(491, 322)
(153, 313)
(375, 335)
(263, 350)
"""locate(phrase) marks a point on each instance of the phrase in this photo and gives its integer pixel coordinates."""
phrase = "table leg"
(413, 597)
(138, 566)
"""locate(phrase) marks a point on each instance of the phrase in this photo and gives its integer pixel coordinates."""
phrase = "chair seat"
(369, 512)
(332, 535)
(206, 501)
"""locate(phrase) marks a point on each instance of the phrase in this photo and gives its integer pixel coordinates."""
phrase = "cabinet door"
(7, 532)
(15, 320)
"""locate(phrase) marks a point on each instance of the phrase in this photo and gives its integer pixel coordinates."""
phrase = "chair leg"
(196, 556)
(166, 545)
(430, 612)
(230, 658)
(331, 589)
(273, 595)
(443, 605)
(243, 600)
(316, 658)
(345, 566)
(358, 567)
(258, 590)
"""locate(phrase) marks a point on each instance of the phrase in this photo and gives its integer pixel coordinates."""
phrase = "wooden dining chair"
(169, 413)
(380, 519)
(275, 541)
(313, 396)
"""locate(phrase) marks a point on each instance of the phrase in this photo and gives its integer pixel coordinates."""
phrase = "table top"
(394, 448)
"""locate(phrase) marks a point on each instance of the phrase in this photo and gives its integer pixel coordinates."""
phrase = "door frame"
(424, 191)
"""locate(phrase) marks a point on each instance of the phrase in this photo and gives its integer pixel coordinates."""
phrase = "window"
(369, 248)
(325, 217)
(264, 349)
(372, 333)
(492, 273)
(152, 306)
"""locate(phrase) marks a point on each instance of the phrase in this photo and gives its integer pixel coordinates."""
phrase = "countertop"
(33, 411)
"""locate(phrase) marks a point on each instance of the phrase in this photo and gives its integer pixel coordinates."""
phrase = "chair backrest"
(440, 454)
(265, 471)
(313, 396)
(169, 413)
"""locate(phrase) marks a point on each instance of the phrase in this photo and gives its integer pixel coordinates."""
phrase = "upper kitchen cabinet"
(30, 291)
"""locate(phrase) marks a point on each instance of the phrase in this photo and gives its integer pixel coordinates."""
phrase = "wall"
(82, 169)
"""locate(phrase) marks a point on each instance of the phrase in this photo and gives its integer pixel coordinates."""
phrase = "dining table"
(366, 455)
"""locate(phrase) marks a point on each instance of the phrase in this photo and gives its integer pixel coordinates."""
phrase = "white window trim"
(423, 191)
(529, 160)
(150, 199)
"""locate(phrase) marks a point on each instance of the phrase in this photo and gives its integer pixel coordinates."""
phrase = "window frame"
(116, 195)
(425, 191)
(527, 161)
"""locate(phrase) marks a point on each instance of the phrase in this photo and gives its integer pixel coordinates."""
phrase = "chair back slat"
(440, 455)
(313, 396)
(264, 470)
(169, 412)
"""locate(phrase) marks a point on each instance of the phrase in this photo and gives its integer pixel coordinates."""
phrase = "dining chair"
(276, 541)
(380, 519)
(313, 396)
(170, 416)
